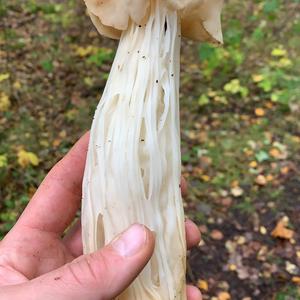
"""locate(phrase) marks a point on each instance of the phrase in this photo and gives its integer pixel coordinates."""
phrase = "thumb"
(100, 275)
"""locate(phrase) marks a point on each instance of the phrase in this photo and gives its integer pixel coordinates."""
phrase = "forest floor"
(240, 112)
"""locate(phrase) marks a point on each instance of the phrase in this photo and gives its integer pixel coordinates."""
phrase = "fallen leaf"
(27, 158)
(263, 230)
(280, 231)
(253, 164)
(259, 112)
(4, 76)
(202, 285)
(237, 191)
(296, 139)
(261, 180)
(56, 142)
(85, 51)
(262, 253)
(235, 183)
(216, 235)
(62, 134)
(257, 77)
(296, 279)
(3, 161)
(274, 152)
(279, 51)
(291, 268)
(284, 170)
(283, 152)
(4, 102)
(269, 105)
(230, 246)
(205, 178)
(241, 240)
(248, 152)
(224, 296)
(17, 85)
(262, 156)
(232, 267)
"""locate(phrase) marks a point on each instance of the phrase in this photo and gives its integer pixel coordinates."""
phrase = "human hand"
(37, 263)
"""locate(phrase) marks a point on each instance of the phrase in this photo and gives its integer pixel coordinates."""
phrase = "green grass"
(289, 293)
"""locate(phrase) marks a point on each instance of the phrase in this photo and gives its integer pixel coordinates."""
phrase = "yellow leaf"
(44, 143)
(71, 114)
(202, 285)
(280, 231)
(212, 93)
(235, 183)
(205, 178)
(253, 164)
(62, 134)
(285, 62)
(296, 139)
(279, 52)
(233, 86)
(27, 158)
(296, 279)
(257, 77)
(85, 51)
(248, 152)
(17, 85)
(4, 76)
(259, 112)
(4, 102)
(232, 267)
(3, 161)
(224, 296)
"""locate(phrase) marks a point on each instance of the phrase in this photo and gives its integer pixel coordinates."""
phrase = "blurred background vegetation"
(240, 107)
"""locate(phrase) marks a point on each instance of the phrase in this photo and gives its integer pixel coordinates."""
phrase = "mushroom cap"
(200, 19)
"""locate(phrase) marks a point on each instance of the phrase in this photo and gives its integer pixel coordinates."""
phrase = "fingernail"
(131, 241)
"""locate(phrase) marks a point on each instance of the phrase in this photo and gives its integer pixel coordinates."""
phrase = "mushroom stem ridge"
(133, 165)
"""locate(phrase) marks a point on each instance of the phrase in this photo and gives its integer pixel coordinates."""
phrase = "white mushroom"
(133, 165)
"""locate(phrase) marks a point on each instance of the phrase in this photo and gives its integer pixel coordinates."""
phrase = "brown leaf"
(259, 112)
(296, 280)
(280, 231)
(275, 153)
(216, 235)
(261, 180)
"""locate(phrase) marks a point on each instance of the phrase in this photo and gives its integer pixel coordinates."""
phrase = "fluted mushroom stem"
(134, 165)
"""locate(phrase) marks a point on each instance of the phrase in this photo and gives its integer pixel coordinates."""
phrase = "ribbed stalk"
(133, 166)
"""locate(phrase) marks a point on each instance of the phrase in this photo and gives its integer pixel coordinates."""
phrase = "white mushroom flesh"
(133, 166)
